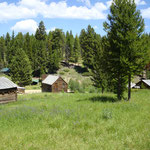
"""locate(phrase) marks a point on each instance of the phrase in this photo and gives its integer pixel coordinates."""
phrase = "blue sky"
(25, 15)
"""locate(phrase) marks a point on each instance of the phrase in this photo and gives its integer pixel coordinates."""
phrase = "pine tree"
(124, 32)
(41, 32)
(40, 35)
(76, 50)
(99, 72)
(88, 45)
(71, 44)
(20, 68)
(7, 44)
(67, 47)
(58, 45)
(28, 46)
(3, 50)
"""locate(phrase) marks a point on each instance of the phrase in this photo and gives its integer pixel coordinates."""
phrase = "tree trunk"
(102, 89)
(119, 89)
(129, 87)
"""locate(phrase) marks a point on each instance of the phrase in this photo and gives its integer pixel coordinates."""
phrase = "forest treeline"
(113, 59)
(34, 55)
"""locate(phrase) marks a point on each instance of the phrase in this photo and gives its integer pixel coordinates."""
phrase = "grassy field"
(76, 122)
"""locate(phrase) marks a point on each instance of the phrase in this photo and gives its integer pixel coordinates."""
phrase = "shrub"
(86, 74)
(66, 70)
(61, 73)
(75, 86)
(106, 114)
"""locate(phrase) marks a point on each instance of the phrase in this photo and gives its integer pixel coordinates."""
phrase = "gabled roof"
(6, 84)
(146, 82)
(35, 80)
(133, 85)
(50, 79)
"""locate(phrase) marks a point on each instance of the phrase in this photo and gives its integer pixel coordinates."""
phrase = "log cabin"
(54, 84)
(8, 90)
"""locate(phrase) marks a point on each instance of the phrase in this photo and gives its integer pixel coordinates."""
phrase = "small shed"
(144, 84)
(5, 70)
(8, 90)
(55, 84)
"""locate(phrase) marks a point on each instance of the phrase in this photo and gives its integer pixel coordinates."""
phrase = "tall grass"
(76, 121)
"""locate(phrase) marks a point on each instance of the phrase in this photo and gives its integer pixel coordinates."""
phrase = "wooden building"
(21, 90)
(144, 84)
(8, 90)
(53, 83)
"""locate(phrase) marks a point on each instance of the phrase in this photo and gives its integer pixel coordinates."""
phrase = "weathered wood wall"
(8, 95)
(46, 88)
(59, 86)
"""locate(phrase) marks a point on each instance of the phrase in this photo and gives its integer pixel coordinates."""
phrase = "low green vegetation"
(33, 87)
(76, 121)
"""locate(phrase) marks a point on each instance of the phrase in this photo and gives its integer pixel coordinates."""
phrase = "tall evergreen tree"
(40, 35)
(28, 46)
(58, 45)
(7, 44)
(67, 47)
(99, 72)
(76, 50)
(88, 44)
(20, 67)
(124, 32)
(2, 51)
(41, 32)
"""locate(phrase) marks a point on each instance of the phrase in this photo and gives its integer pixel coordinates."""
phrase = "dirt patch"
(32, 91)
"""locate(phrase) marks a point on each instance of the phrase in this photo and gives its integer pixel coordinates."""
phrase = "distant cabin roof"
(3, 70)
(50, 79)
(6, 84)
(35, 80)
(133, 85)
(147, 82)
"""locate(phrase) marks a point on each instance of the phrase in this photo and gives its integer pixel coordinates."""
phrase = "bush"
(86, 74)
(61, 73)
(66, 70)
(75, 86)
(106, 114)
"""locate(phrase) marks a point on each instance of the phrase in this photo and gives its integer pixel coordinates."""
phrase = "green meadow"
(88, 121)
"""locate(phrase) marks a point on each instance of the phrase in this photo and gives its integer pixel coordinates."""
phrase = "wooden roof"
(146, 82)
(6, 84)
(50, 79)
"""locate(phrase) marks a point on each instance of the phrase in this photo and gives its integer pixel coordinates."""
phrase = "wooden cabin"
(21, 90)
(8, 90)
(54, 84)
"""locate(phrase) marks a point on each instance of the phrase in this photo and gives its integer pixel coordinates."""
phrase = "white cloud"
(27, 9)
(140, 2)
(25, 26)
(108, 3)
(12, 11)
(86, 2)
(146, 13)
(95, 27)
(52, 29)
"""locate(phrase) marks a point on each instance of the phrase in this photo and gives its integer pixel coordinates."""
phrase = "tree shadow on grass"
(103, 99)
